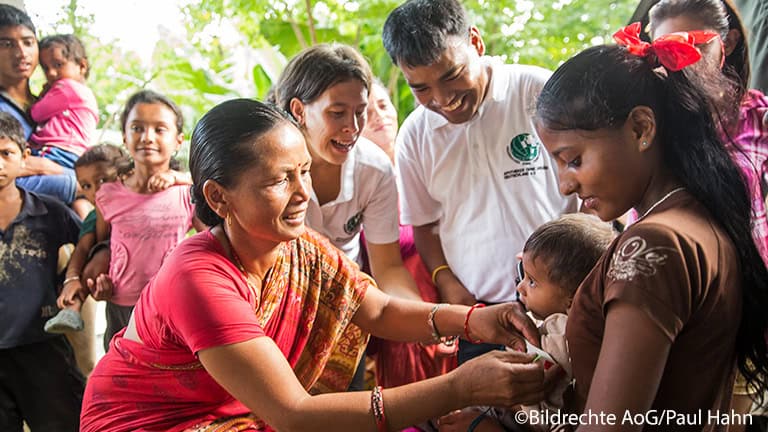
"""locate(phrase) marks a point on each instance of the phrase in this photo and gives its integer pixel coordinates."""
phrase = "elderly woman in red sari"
(254, 324)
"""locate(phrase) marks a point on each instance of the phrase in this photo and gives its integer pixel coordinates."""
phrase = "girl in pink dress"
(145, 217)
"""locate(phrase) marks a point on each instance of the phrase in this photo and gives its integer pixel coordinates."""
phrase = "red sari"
(200, 300)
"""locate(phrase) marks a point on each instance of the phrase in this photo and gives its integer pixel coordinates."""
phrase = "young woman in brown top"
(680, 297)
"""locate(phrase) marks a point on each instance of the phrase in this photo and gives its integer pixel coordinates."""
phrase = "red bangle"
(466, 324)
(377, 407)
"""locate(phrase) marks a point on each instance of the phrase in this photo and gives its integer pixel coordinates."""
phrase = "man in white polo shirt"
(474, 180)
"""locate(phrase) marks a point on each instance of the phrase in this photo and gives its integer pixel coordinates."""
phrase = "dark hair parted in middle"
(314, 70)
(224, 146)
(599, 87)
(71, 48)
(151, 97)
(416, 32)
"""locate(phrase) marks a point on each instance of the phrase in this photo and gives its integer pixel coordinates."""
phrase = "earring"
(645, 144)
(229, 218)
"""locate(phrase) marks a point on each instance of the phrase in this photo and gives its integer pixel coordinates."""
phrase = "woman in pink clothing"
(742, 111)
(145, 216)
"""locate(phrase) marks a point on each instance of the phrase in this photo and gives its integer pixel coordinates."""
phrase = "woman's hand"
(500, 378)
(504, 324)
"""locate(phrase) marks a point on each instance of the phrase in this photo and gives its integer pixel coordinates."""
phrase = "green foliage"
(203, 65)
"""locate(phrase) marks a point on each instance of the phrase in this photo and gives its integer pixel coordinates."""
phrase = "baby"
(555, 260)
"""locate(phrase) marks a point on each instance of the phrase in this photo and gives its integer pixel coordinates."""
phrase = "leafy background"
(200, 67)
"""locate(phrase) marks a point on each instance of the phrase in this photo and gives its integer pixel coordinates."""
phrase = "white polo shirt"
(367, 199)
(489, 182)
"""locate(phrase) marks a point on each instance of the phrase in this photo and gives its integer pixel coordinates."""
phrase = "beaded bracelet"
(466, 323)
(377, 407)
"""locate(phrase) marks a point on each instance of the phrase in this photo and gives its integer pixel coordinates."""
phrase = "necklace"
(241, 267)
(656, 204)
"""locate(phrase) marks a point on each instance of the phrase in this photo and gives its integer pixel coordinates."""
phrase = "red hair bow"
(674, 51)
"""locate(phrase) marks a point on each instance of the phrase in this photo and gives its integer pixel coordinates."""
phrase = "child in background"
(39, 380)
(145, 217)
(98, 165)
(66, 113)
(556, 259)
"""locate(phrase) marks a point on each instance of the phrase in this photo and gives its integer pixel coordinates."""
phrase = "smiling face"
(150, 134)
(57, 66)
(454, 85)
(18, 54)
(92, 176)
(269, 201)
(334, 120)
(538, 293)
(381, 125)
(602, 167)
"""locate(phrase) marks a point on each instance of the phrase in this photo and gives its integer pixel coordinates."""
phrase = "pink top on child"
(66, 117)
(145, 229)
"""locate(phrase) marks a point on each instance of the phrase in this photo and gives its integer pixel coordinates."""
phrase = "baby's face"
(538, 293)
(92, 176)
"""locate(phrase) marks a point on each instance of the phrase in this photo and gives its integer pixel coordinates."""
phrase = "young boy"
(19, 57)
(556, 258)
(39, 380)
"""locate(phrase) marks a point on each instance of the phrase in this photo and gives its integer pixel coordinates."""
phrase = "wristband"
(478, 420)
(437, 270)
(70, 279)
(466, 323)
(431, 321)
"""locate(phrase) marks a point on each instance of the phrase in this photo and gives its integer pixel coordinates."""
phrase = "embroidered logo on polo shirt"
(524, 148)
(353, 224)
